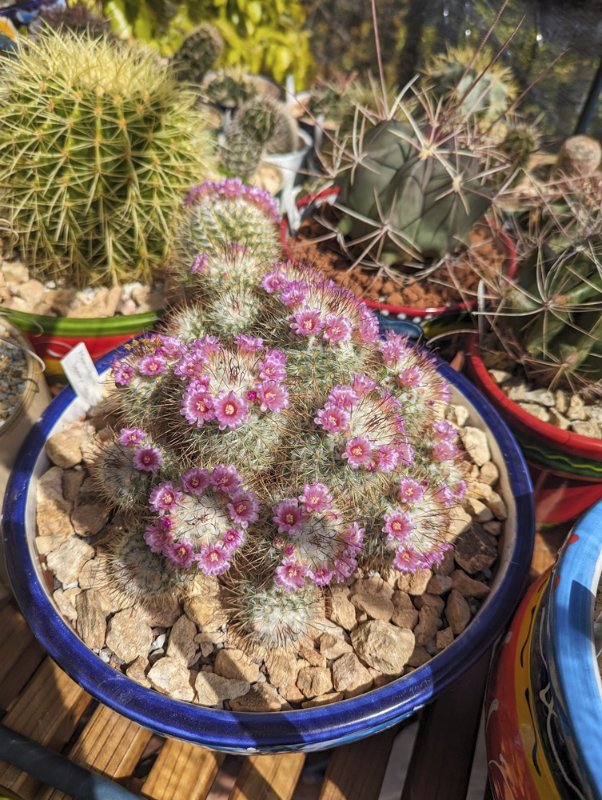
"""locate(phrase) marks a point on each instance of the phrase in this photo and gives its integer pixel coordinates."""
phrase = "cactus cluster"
(98, 146)
(549, 318)
(261, 125)
(283, 452)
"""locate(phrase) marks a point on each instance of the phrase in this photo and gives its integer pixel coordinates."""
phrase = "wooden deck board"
(182, 771)
(268, 777)
(20, 654)
(356, 771)
(47, 710)
(109, 743)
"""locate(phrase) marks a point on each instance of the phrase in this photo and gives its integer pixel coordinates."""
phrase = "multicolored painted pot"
(544, 701)
(434, 321)
(53, 337)
(566, 467)
(306, 729)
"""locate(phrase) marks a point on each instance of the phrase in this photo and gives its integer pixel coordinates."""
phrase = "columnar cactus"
(97, 147)
(286, 454)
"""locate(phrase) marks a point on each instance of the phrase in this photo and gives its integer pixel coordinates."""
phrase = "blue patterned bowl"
(308, 729)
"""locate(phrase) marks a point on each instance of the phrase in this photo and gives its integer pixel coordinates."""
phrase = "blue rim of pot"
(573, 664)
(278, 731)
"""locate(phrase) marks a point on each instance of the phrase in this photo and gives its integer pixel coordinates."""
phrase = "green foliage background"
(264, 36)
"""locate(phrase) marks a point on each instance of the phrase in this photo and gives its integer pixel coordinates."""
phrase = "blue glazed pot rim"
(573, 586)
(306, 729)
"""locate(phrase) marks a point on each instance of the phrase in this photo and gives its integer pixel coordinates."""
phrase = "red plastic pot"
(566, 467)
(419, 315)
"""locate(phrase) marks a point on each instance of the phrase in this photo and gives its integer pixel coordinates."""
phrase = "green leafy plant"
(98, 146)
(282, 451)
(266, 38)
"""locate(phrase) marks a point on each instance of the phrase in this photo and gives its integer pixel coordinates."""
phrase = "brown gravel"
(487, 255)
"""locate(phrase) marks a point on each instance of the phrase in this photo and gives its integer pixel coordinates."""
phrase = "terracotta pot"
(544, 700)
(566, 467)
(306, 729)
(444, 315)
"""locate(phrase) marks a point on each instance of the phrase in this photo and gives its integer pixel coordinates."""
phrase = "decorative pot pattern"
(307, 729)
(544, 704)
(53, 337)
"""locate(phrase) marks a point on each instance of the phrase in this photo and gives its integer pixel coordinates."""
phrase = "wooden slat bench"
(38, 700)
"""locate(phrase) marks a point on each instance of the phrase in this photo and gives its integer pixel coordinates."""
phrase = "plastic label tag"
(82, 374)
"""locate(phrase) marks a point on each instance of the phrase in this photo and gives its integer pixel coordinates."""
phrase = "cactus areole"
(403, 202)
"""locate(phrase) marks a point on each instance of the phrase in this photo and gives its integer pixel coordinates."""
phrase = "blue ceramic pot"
(567, 643)
(309, 729)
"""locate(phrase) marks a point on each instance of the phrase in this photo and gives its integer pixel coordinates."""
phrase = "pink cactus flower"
(411, 491)
(122, 372)
(131, 436)
(152, 364)
(358, 452)
(411, 377)
(232, 539)
(444, 450)
(343, 397)
(363, 384)
(158, 536)
(225, 478)
(294, 293)
(197, 406)
(307, 322)
(147, 459)
(272, 368)
(332, 418)
(199, 262)
(274, 282)
(181, 554)
(195, 480)
(164, 497)
(387, 458)
(214, 559)
(408, 560)
(398, 524)
(244, 508)
(321, 575)
(316, 498)
(248, 344)
(231, 411)
(290, 575)
(273, 396)
(337, 328)
(288, 515)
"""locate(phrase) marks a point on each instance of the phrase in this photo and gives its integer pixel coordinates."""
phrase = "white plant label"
(82, 374)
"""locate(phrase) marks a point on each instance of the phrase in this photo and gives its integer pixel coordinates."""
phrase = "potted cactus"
(548, 322)
(255, 457)
(92, 200)
(405, 207)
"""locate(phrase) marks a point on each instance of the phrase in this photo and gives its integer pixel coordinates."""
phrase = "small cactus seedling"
(295, 448)
(97, 148)
(198, 53)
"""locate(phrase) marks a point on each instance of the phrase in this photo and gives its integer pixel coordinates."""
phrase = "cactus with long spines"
(550, 316)
(98, 146)
(294, 447)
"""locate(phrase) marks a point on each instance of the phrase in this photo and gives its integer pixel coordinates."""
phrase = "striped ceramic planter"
(566, 467)
(53, 337)
(544, 701)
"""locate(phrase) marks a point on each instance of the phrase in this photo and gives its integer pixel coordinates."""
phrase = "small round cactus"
(198, 52)
(579, 155)
(297, 445)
